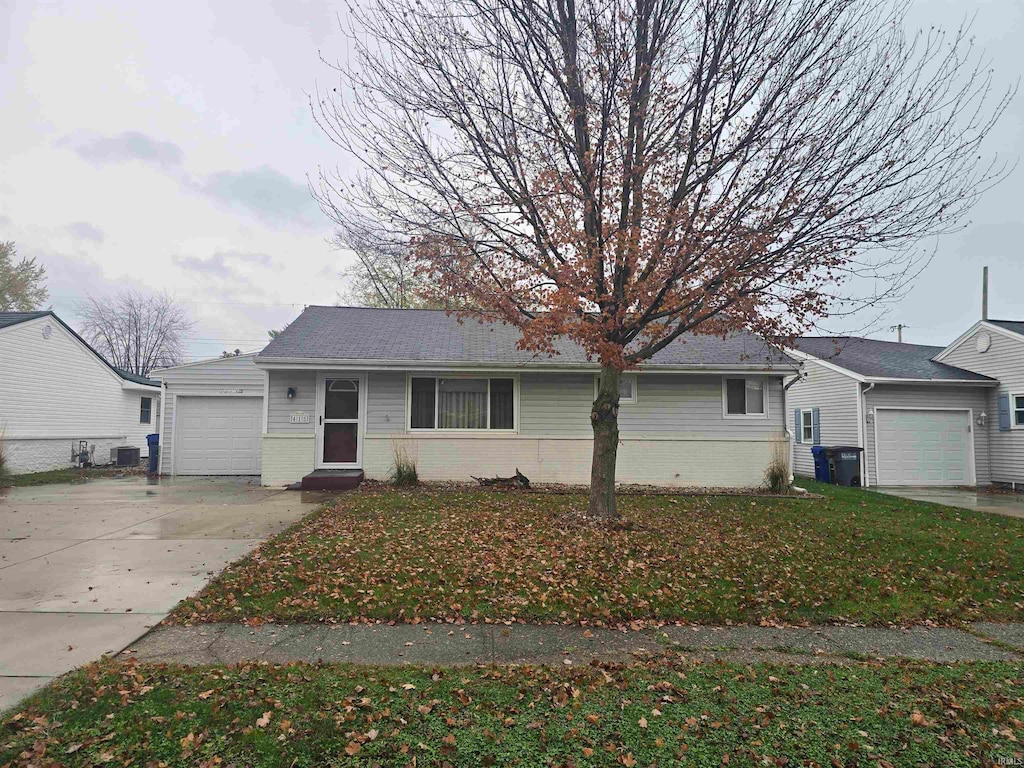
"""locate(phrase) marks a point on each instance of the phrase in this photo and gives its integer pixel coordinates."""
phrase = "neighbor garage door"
(217, 435)
(921, 447)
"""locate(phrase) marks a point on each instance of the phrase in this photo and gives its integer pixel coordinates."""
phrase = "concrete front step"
(330, 480)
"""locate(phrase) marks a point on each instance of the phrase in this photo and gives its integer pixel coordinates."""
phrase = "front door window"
(341, 421)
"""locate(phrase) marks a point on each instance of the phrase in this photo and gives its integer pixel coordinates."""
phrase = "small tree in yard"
(621, 172)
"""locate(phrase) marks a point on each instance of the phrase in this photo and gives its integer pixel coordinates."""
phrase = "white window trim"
(809, 413)
(1014, 409)
(725, 398)
(622, 400)
(454, 430)
(150, 421)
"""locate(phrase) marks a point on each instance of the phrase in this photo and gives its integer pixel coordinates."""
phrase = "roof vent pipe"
(984, 293)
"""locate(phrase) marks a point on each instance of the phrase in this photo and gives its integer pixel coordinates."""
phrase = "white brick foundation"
(35, 455)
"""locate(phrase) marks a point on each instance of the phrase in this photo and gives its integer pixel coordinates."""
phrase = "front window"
(745, 397)
(1018, 410)
(146, 411)
(627, 388)
(807, 426)
(459, 403)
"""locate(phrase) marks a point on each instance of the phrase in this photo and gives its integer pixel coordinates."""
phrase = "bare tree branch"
(136, 332)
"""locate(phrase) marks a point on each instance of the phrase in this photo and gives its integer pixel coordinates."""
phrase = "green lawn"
(666, 712)
(69, 475)
(466, 554)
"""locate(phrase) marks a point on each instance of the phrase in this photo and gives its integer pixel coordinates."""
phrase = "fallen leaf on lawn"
(264, 721)
(352, 748)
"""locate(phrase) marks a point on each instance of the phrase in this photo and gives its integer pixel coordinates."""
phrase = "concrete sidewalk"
(449, 644)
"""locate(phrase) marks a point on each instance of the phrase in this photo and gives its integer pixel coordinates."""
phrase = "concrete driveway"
(1009, 504)
(86, 569)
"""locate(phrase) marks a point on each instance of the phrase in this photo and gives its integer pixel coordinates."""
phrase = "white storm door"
(341, 405)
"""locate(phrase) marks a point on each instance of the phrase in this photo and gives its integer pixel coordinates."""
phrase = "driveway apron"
(87, 568)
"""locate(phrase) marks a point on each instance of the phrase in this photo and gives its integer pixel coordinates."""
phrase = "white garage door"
(923, 447)
(218, 435)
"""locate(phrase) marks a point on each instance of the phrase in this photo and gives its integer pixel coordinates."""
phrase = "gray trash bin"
(844, 465)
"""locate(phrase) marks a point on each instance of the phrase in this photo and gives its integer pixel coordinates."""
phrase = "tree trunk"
(604, 418)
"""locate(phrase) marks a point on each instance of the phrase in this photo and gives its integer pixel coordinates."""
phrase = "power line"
(220, 303)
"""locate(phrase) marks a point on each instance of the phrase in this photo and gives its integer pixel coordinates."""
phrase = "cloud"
(83, 230)
(128, 146)
(220, 265)
(267, 194)
(4, 220)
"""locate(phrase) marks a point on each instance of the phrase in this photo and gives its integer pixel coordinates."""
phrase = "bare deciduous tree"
(621, 172)
(21, 283)
(136, 332)
(384, 273)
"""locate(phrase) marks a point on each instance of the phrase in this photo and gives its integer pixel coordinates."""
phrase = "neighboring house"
(995, 348)
(345, 387)
(212, 417)
(56, 391)
(921, 419)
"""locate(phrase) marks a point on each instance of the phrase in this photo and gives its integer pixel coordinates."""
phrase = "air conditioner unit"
(125, 456)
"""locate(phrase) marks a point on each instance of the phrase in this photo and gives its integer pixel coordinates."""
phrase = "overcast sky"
(167, 145)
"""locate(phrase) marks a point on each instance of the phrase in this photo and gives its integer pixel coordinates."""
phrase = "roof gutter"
(441, 365)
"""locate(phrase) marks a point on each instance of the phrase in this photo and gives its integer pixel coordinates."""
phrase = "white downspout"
(785, 420)
(862, 431)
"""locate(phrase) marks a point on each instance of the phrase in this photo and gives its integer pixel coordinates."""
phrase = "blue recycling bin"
(153, 441)
(821, 472)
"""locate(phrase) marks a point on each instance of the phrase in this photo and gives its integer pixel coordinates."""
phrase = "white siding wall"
(54, 391)
(675, 434)
(1004, 361)
(834, 394)
(225, 377)
(910, 396)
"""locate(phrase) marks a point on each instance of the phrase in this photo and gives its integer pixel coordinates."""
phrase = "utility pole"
(899, 331)
(984, 293)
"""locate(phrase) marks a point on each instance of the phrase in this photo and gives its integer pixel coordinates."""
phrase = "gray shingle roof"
(885, 359)
(420, 335)
(13, 318)
(1016, 326)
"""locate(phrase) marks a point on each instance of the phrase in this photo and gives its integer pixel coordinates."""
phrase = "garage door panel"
(218, 435)
(923, 447)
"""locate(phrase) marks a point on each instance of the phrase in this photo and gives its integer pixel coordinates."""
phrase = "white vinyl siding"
(1004, 361)
(834, 394)
(54, 388)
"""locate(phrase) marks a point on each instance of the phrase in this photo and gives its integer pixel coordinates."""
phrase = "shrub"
(776, 474)
(404, 472)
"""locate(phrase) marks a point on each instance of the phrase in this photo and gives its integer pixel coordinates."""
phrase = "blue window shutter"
(799, 432)
(1004, 413)
(816, 425)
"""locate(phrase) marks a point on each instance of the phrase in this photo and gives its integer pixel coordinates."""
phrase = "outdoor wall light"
(291, 393)
(870, 417)
(982, 419)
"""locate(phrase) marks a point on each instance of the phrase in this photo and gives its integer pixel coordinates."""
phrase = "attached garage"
(917, 447)
(218, 435)
(213, 417)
